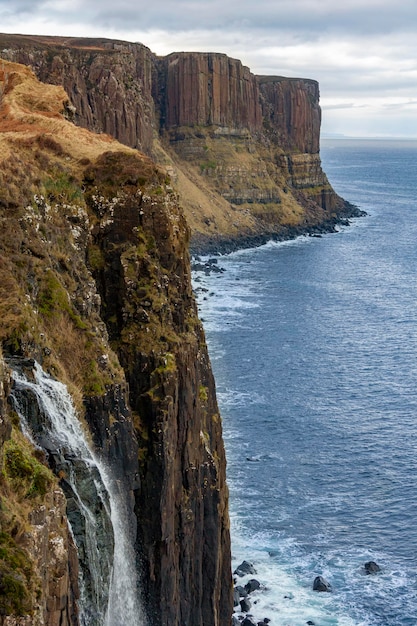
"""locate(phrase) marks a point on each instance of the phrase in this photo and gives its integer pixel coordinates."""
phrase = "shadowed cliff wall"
(108, 82)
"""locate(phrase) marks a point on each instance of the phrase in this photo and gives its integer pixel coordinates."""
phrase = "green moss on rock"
(24, 471)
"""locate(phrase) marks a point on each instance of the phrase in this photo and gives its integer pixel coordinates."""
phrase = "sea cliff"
(112, 169)
(95, 287)
(242, 150)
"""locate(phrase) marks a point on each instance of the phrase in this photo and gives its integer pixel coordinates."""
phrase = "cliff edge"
(242, 150)
(95, 292)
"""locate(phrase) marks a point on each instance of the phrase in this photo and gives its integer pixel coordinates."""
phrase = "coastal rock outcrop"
(291, 112)
(109, 83)
(95, 286)
(372, 568)
(209, 89)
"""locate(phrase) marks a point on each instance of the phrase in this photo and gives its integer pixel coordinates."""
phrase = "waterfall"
(97, 509)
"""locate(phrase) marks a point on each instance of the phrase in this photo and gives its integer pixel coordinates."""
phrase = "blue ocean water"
(313, 344)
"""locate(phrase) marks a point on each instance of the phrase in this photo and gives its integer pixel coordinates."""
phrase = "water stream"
(97, 509)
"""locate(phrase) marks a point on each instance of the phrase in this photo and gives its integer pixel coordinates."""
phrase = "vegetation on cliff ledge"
(24, 481)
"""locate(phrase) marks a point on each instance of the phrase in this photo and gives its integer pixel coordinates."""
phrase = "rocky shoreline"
(202, 245)
(243, 601)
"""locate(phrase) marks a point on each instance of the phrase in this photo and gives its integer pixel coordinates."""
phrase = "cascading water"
(97, 510)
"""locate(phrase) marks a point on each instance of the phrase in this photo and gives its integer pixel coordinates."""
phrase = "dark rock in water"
(245, 568)
(252, 585)
(248, 621)
(236, 597)
(265, 620)
(207, 267)
(372, 568)
(310, 623)
(320, 584)
(235, 621)
(242, 591)
(245, 605)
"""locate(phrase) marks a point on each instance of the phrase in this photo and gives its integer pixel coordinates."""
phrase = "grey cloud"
(359, 50)
(20, 6)
(304, 16)
(309, 18)
(344, 105)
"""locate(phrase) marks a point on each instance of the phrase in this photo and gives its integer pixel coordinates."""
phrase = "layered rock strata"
(208, 89)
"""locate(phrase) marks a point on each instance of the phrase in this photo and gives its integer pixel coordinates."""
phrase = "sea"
(313, 344)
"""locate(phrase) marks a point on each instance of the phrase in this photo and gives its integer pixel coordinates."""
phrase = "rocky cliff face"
(291, 112)
(150, 314)
(254, 139)
(209, 90)
(95, 285)
(242, 150)
(38, 560)
(109, 83)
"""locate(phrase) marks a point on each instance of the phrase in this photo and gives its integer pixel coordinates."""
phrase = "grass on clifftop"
(48, 305)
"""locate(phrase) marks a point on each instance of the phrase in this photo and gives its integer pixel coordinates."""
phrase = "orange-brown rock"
(291, 112)
(208, 89)
(108, 82)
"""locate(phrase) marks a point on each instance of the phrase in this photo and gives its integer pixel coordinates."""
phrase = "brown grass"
(42, 153)
(30, 109)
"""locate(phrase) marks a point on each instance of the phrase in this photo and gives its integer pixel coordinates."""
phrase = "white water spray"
(118, 604)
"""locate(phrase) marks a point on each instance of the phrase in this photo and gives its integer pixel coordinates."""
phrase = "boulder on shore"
(241, 591)
(245, 605)
(236, 597)
(252, 585)
(245, 568)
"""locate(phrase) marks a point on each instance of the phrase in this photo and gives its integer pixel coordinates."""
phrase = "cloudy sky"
(362, 52)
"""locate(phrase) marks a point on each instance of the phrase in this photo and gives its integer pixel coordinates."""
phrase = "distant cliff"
(95, 286)
(242, 150)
